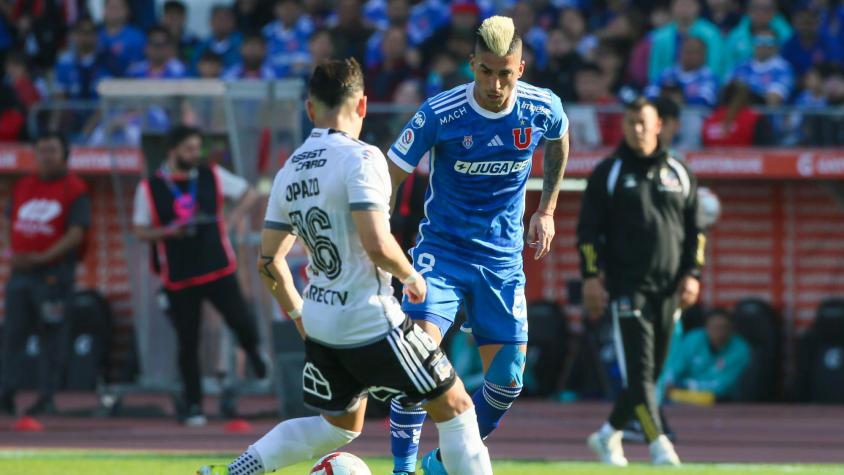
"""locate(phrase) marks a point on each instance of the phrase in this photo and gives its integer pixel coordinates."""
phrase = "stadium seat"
(821, 355)
(547, 349)
(289, 352)
(757, 322)
(90, 337)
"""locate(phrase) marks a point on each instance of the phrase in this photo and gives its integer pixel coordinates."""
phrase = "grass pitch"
(45, 462)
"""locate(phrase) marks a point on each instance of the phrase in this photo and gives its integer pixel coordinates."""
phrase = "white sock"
(462, 450)
(607, 430)
(297, 440)
(249, 463)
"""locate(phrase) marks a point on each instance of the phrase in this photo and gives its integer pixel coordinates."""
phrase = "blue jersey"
(480, 162)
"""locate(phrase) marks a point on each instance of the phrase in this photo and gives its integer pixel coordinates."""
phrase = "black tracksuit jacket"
(638, 223)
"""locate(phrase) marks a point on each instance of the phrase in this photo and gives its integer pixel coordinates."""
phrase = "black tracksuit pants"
(38, 301)
(185, 312)
(642, 325)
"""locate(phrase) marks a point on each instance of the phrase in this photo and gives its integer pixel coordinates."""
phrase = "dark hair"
(54, 135)
(250, 37)
(221, 8)
(589, 67)
(175, 6)
(719, 312)
(160, 30)
(639, 103)
(179, 134)
(334, 81)
(209, 55)
(84, 21)
(666, 108)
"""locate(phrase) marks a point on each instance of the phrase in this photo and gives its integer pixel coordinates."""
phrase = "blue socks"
(405, 429)
(491, 403)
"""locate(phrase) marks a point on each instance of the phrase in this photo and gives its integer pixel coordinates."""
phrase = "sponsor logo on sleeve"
(418, 120)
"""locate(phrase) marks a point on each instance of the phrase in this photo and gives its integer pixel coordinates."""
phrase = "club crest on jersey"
(467, 142)
(669, 181)
(521, 137)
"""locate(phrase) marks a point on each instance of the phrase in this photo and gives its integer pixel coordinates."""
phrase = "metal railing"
(592, 126)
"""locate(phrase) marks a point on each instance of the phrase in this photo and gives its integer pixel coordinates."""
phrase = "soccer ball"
(340, 463)
(709, 207)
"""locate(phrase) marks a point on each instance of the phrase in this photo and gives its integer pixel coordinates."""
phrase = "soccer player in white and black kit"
(334, 194)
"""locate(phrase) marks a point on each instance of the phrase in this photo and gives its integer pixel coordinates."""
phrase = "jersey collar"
(470, 96)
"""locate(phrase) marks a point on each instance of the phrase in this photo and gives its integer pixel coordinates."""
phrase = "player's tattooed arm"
(275, 273)
(541, 227)
(554, 165)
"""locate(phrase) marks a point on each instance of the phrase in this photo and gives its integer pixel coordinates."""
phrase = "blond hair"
(497, 35)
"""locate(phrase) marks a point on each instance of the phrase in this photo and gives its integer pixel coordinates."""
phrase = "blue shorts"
(494, 297)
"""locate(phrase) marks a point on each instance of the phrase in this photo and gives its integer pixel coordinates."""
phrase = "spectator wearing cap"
(174, 16)
(810, 45)
(710, 359)
(161, 61)
(761, 15)
(224, 40)
(122, 43)
(287, 37)
(698, 83)
(254, 64)
(666, 42)
(768, 76)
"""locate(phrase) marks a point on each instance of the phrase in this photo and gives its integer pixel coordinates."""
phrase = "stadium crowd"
(720, 55)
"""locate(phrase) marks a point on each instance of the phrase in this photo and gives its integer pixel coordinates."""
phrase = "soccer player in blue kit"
(480, 138)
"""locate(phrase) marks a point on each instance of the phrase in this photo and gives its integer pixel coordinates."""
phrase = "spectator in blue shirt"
(397, 13)
(832, 26)
(173, 19)
(768, 76)
(224, 40)
(710, 359)
(81, 67)
(287, 37)
(524, 17)
(161, 61)
(122, 43)
(809, 45)
(761, 15)
(696, 81)
(254, 64)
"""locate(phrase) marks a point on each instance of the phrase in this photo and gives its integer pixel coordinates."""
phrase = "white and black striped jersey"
(348, 300)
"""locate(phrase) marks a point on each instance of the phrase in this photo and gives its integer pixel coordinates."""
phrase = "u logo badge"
(521, 138)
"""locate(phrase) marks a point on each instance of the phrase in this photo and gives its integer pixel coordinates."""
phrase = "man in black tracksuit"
(639, 239)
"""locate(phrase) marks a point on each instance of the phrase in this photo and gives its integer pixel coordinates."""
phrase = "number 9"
(426, 262)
